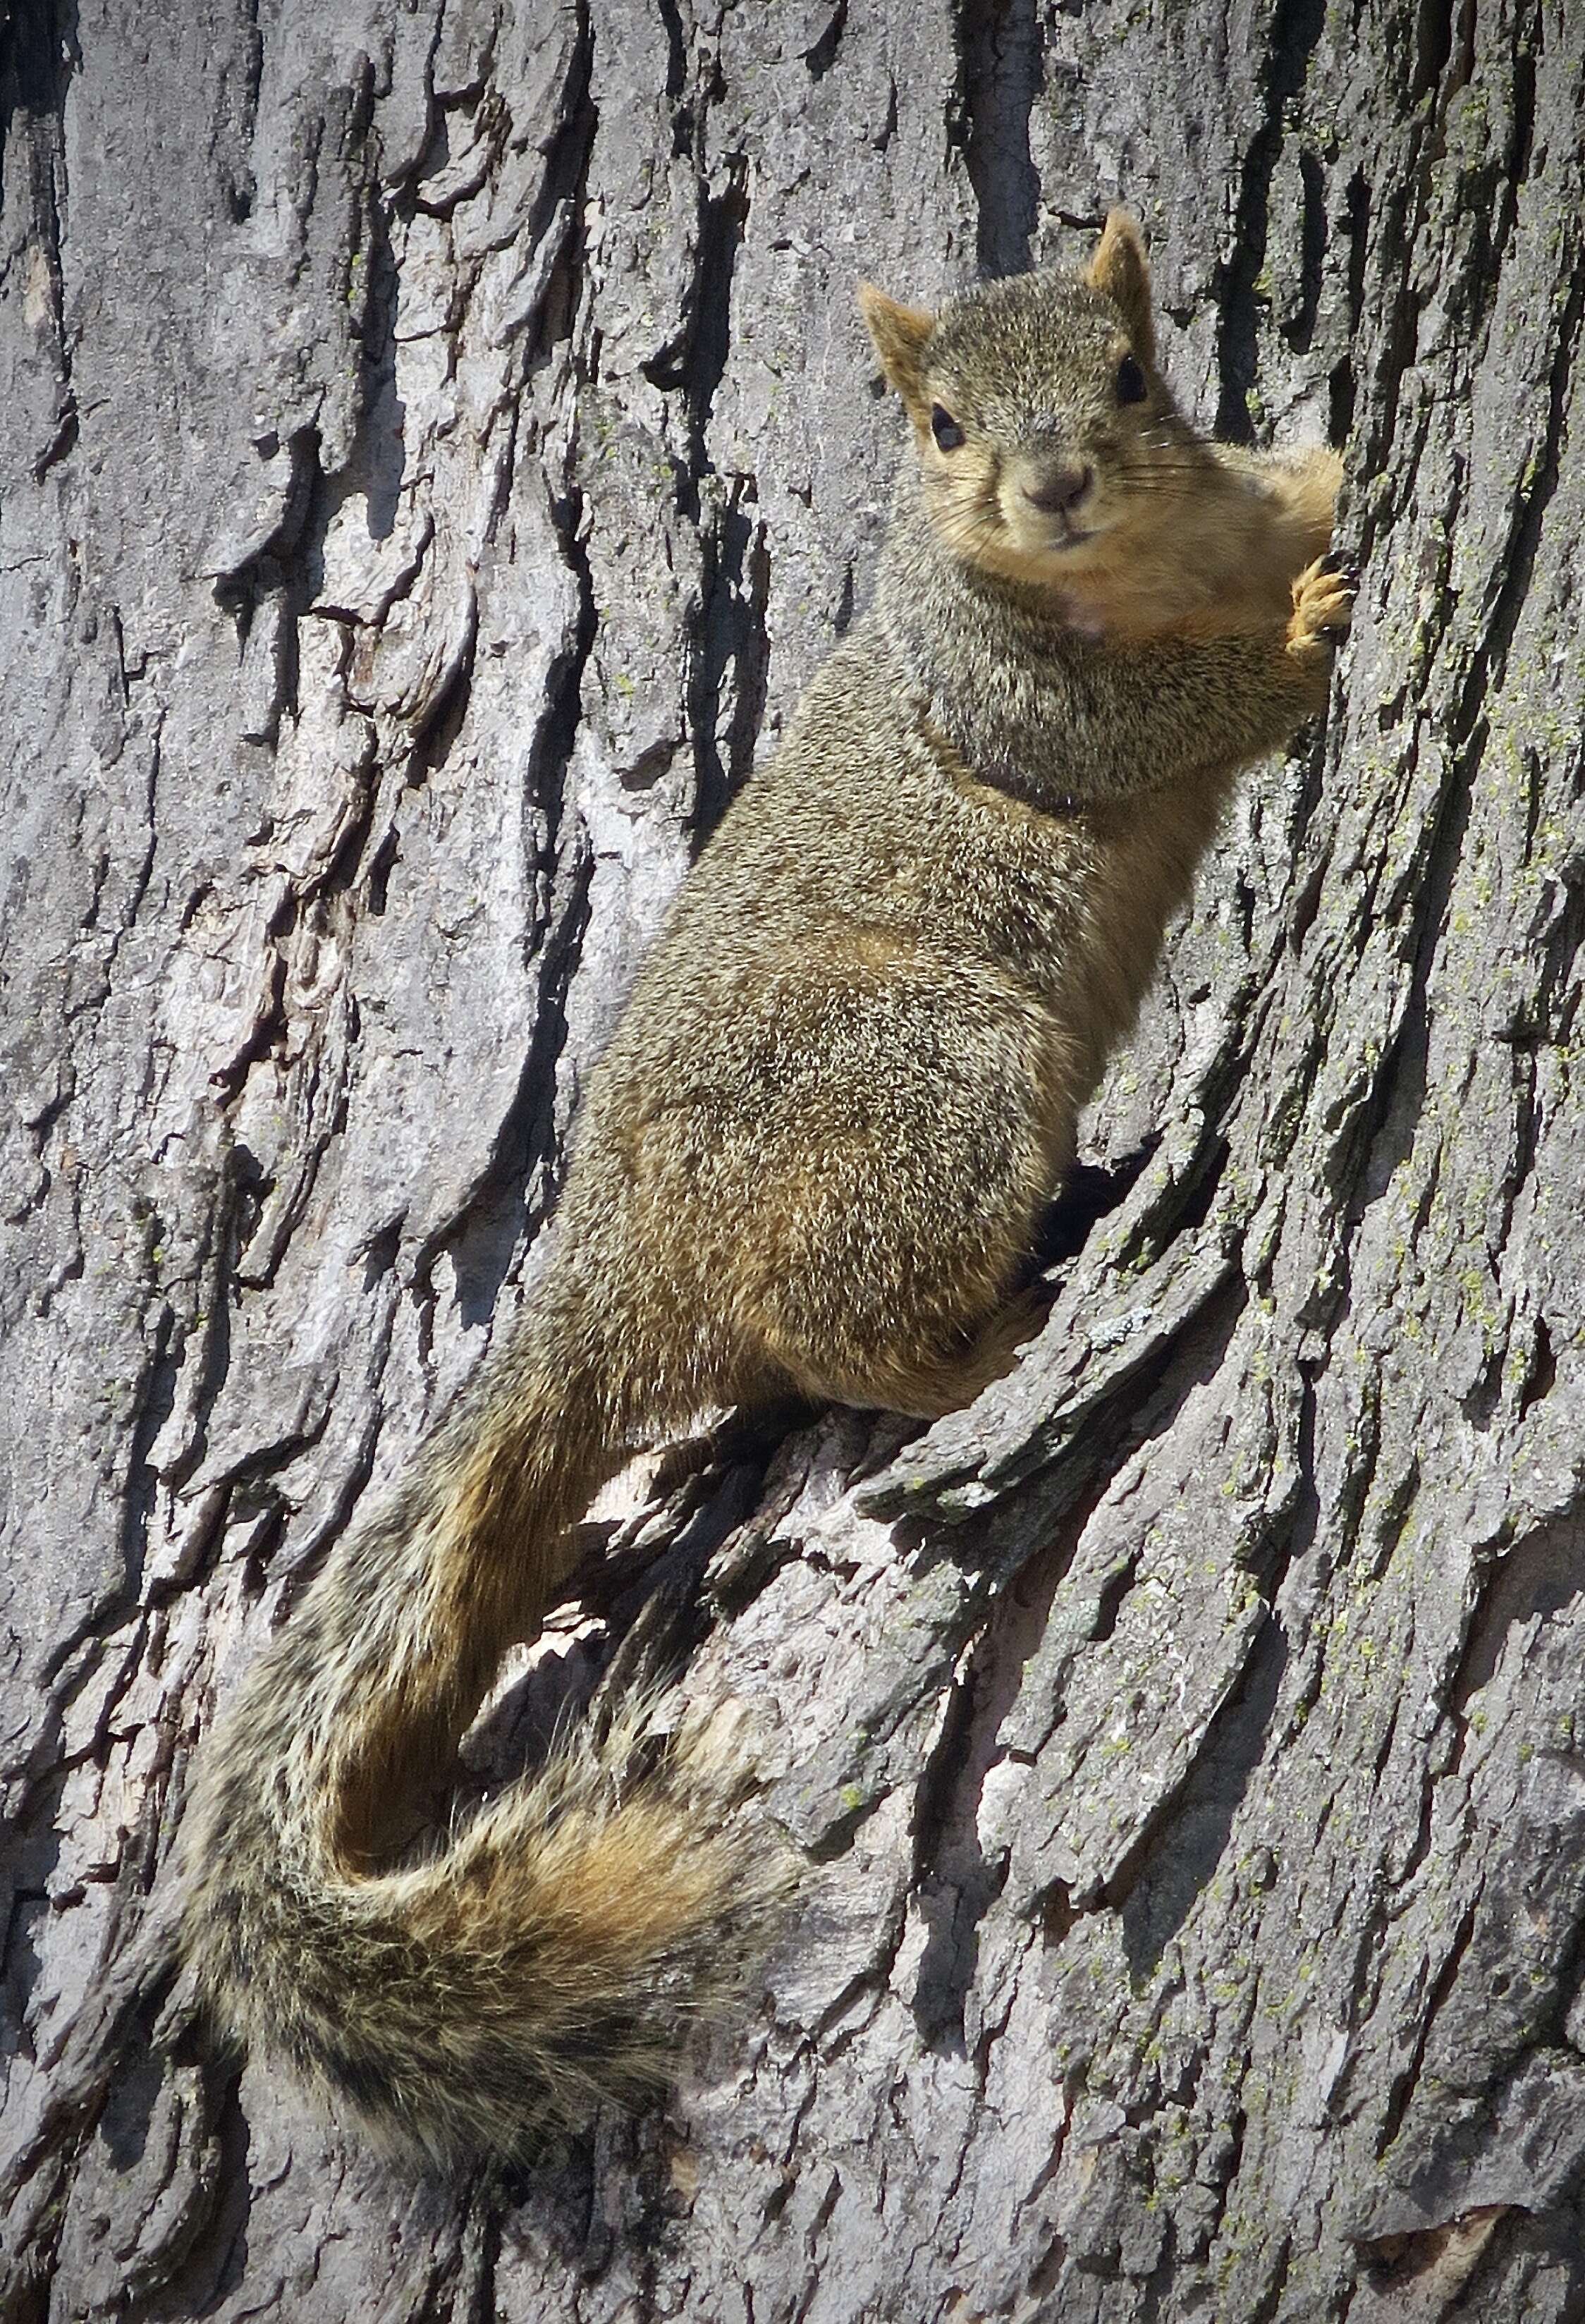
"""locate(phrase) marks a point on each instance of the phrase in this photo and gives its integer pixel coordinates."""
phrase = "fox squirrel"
(813, 1160)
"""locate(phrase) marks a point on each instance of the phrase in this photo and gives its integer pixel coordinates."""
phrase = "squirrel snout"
(1058, 491)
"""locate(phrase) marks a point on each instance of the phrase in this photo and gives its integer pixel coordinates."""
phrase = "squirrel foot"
(1323, 606)
(955, 1381)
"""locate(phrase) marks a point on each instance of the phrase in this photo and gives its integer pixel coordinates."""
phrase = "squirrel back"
(813, 1160)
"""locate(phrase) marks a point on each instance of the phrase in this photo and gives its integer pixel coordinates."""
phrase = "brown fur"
(812, 1158)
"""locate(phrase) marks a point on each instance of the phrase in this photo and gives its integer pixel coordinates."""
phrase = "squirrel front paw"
(1323, 606)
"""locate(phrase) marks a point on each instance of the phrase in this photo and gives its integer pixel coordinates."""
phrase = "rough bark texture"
(438, 447)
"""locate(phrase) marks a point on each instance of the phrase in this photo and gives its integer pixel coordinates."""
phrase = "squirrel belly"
(812, 1159)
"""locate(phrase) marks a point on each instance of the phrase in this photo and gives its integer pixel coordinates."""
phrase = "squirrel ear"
(899, 334)
(1120, 268)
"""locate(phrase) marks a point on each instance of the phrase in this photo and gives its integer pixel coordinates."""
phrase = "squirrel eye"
(1131, 383)
(945, 427)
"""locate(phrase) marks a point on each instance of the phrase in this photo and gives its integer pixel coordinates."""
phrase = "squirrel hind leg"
(949, 1383)
(925, 1383)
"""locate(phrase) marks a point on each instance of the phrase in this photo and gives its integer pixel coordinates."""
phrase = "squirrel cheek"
(959, 484)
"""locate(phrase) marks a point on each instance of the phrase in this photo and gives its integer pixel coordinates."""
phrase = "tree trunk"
(440, 445)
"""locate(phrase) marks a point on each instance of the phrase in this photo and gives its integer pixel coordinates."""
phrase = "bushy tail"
(554, 1953)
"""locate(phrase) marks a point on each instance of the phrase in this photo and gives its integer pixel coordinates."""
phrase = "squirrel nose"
(1060, 489)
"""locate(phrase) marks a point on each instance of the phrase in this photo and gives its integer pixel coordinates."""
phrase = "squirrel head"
(1049, 447)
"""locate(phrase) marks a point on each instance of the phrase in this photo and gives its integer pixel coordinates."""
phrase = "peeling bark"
(440, 446)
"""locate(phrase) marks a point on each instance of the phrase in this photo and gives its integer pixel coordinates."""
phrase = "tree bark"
(440, 445)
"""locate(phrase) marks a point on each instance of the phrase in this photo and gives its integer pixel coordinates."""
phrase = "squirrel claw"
(1330, 563)
(1323, 606)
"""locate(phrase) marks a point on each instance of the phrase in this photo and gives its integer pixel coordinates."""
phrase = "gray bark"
(439, 446)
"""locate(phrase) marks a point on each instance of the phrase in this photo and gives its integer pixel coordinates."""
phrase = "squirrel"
(812, 1161)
